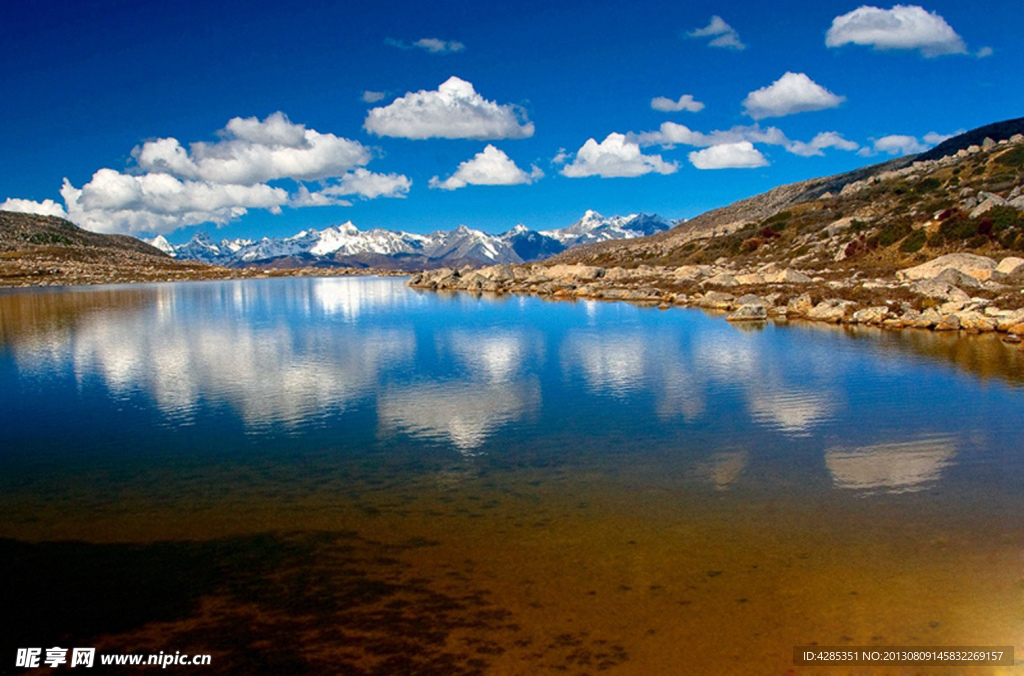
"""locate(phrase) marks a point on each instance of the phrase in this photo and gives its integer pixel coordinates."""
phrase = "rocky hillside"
(926, 242)
(963, 195)
(37, 250)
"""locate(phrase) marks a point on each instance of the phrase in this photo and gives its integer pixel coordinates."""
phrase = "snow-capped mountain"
(346, 245)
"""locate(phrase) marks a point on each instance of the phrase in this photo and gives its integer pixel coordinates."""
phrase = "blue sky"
(115, 95)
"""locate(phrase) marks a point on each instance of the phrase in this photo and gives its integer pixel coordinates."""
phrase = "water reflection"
(464, 413)
(891, 467)
(400, 368)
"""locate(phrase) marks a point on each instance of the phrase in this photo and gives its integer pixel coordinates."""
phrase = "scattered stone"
(978, 267)
(748, 312)
(872, 315)
(832, 310)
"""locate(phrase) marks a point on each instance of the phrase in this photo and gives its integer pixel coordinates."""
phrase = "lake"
(344, 475)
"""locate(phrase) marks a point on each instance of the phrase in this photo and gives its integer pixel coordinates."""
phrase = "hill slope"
(37, 250)
(880, 206)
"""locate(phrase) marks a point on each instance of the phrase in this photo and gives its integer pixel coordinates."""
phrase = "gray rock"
(747, 313)
(717, 300)
(749, 299)
(1011, 265)
(799, 306)
(957, 278)
(932, 288)
(832, 310)
(872, 315)
(979, 267)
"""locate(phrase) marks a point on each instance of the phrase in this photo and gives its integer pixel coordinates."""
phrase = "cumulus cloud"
(825, 139)
(454, 110)
(45, 208)
(113, 202)
(370, 185)
(253, 151)
(934, 138)
(894, 144)
(671, 134)
(792, 93)
(984, 52)
(490, 166)
(722, 34)
(171, 186)
(742, 155)
(432, 45)
(902, 27)
(685, 102)
(616, 156)
(372, 96)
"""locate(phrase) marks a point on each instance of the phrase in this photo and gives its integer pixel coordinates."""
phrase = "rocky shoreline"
(956, 292)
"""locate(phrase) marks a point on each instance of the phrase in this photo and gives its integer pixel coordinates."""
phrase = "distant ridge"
(997, 131)
(346, 246)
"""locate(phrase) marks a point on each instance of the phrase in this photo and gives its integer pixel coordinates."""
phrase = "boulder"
(948, 323)
(748, 313)
(975, 322)
(941, 290)
(689, 273)
(717, 300)
(871, 315)
(832, 310)
(979, 267)
(990, 201)
(721, 279)
(789, 276)
(799, 306)
(957, 278)
(1011, 265)
(749, 299)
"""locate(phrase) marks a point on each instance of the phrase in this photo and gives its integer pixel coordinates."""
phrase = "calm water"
(347, 476)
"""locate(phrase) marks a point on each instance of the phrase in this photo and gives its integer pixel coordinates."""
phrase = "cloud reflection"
(892, 467)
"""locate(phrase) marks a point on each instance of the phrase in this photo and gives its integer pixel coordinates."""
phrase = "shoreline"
(915, 301)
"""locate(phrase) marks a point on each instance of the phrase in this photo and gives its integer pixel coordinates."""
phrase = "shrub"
(1012, 158)
(914, 242)
(928, 185)
(977, 241)
(893, 232)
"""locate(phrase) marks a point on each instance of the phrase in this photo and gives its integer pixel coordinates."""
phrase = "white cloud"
(671, 134)
(372, 96)
(825, 139)
(724, 35)
(454, 110)
(45, 208)
(432, 45)
(490, 166)
(616, 156)
(895, 144)
(742, 155)
(561, 157)
(984, 52)
(934, 138)
(219, 182)
(113, 202)
(253, 151)
(304, 198)
(685, 102)
(370, 185)
(792, 93)
(902, 27)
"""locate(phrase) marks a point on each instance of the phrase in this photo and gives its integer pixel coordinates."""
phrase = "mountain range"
(346, 245)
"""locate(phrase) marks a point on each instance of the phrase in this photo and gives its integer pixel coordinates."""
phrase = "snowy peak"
(345, 244)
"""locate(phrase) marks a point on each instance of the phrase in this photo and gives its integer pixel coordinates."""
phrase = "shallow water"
(347, 476)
